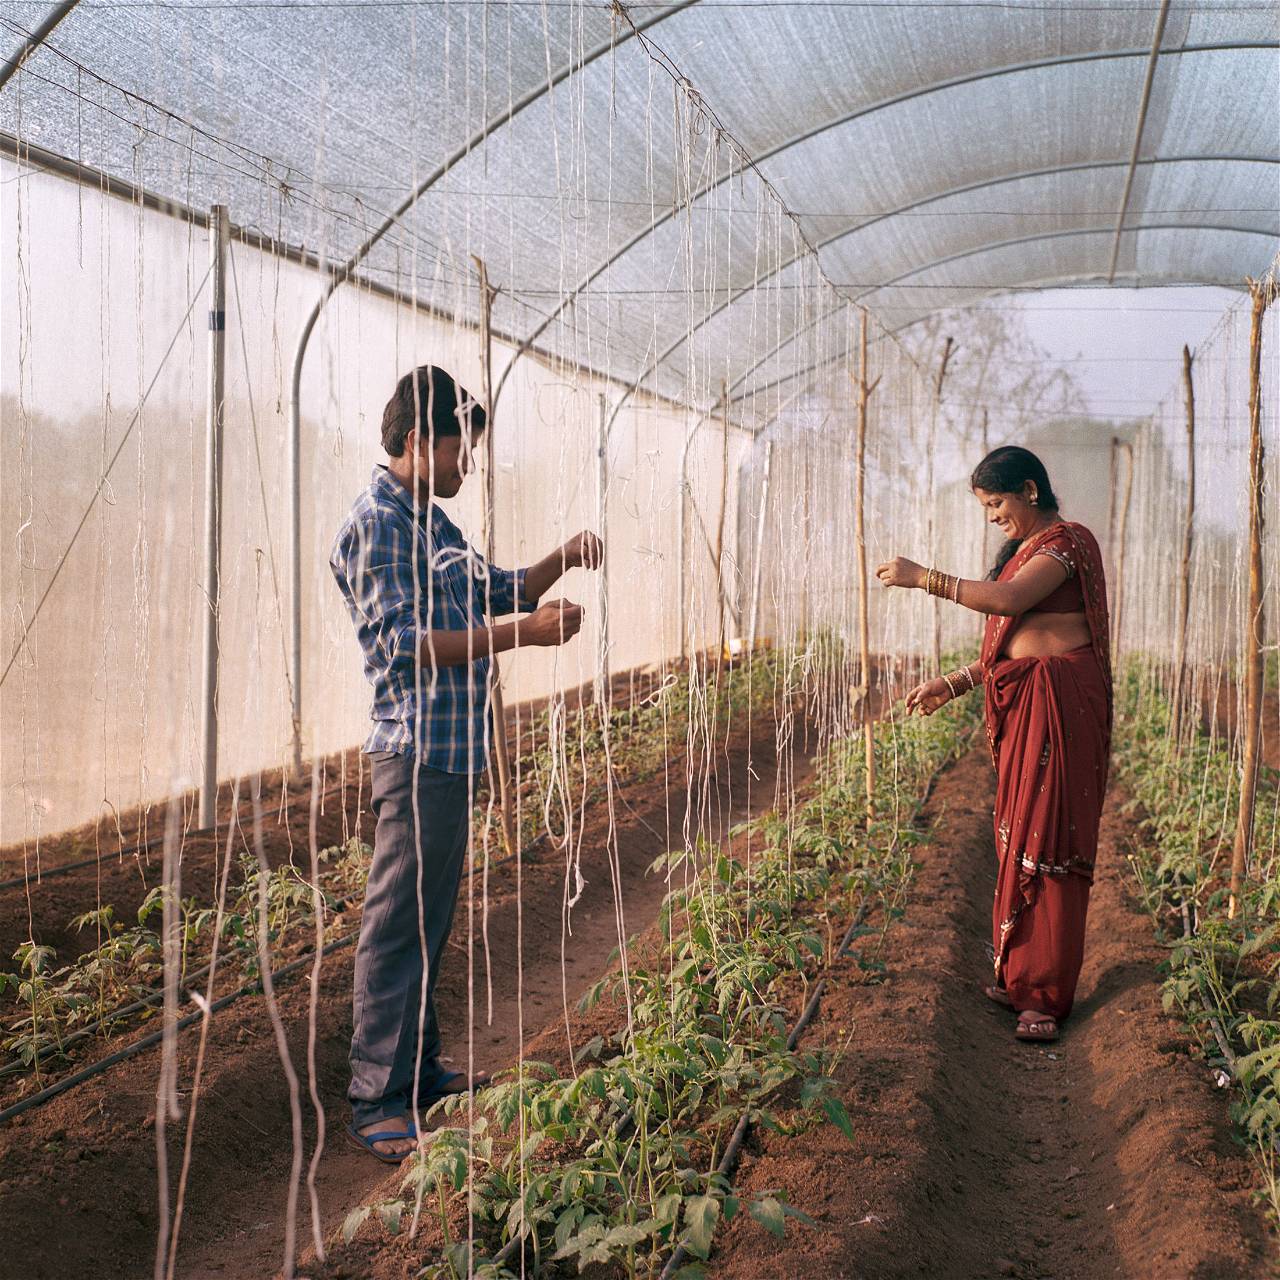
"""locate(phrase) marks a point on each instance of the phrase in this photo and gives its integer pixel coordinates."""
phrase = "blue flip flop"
(365, 1141)
(433, 1095)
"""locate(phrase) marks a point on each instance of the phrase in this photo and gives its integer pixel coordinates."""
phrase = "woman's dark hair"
(428, 397)
(1007, 470)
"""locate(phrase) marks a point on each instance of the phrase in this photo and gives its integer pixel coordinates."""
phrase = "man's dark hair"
(429, 399)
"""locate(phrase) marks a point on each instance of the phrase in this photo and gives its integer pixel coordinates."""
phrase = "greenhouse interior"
(555, 473)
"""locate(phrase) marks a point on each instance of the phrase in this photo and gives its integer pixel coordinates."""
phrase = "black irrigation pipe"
(132, 1050)
(131, 852)
(733, 1151)
(249, 988)
(729, 1161)
(1224, 1045)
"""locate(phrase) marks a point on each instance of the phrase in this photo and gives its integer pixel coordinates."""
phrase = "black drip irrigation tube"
(729, 1161)
(733, 1151)
(191, 1019)
(138, 1046)
(97, 860)
(132, 851)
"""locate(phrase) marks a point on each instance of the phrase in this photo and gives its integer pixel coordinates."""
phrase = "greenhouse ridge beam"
(345, 273)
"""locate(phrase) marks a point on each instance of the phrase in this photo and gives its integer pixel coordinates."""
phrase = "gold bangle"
(946, 679)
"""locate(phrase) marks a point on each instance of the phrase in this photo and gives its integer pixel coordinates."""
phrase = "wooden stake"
(948, 350)
(1254, 657)
(724, 501)
(986, 525)
(1184, 599)
(1121, 449)
(864, 391)
(501, 751)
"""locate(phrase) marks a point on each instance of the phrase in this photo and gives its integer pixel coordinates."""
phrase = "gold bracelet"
(944, 585)
(946, 679)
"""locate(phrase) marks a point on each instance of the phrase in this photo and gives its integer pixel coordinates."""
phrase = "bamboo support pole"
(948, 350)
(1121, 449)
(1184, 597)
(501, 750)
(1261, 295)
(864, 390)
(986, 524)
(724, 502)
(758, 567)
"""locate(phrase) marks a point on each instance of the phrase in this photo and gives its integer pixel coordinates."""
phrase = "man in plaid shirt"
(421, 600)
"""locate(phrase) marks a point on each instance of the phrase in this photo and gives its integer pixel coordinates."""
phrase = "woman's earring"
(1034, 499)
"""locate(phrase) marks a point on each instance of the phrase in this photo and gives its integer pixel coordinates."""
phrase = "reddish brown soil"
(89, 1156)
(41, 906)
(1106, 1154)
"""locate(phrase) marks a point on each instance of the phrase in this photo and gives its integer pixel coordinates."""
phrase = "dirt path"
(1107, 1154)
(90, 1155)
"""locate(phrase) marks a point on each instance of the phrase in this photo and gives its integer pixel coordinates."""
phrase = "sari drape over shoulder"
(1048, 722)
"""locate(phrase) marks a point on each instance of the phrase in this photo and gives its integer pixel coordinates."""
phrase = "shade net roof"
(610, 164)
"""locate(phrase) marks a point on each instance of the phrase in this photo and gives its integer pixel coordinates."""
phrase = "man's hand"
(583, 551)
(551, 624)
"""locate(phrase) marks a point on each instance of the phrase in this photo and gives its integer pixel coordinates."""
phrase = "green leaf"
(701, 1213)
(838, 1115)
(767, 1211)
(625, 1235)
(354, 1221)
(390, 1215)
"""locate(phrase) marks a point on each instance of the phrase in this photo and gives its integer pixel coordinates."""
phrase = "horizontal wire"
(1006, 6)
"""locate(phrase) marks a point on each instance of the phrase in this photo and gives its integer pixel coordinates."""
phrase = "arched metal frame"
(345, 273)
(846, 232)
(35, 40)
(883, 104)
(501, 119)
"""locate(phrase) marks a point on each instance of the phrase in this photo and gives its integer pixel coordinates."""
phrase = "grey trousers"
(413, 854)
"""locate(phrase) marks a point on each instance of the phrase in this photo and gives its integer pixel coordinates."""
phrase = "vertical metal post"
(293, 455)
(602, 521)
(759, 550)
(219, 233)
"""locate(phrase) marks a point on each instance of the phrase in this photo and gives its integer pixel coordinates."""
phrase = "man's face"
(446, 465)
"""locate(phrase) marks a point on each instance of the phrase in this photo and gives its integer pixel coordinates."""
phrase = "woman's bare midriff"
(1044, 635)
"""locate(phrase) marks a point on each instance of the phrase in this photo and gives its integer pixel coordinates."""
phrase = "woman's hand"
(928, 697)
(901, 572)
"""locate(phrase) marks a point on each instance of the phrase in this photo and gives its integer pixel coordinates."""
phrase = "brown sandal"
(999, 995)
(1041, 1029)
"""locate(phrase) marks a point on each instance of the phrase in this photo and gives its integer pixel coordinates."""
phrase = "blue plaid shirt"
(402, 575)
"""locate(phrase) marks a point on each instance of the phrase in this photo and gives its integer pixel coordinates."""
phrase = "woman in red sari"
(1046, 668)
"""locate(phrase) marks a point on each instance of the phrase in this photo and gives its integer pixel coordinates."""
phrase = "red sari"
(1048, 724)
